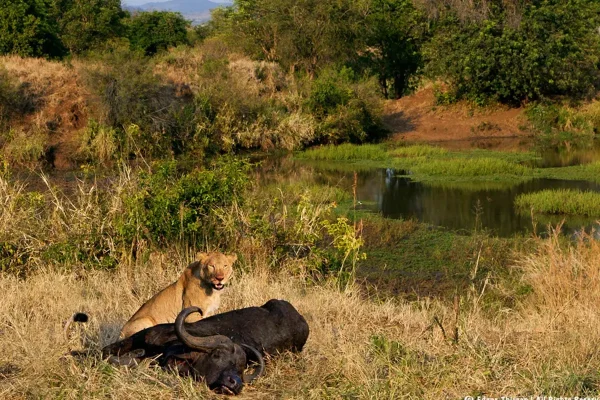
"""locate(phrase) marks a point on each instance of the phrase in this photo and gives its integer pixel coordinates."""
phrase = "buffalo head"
(216, 359)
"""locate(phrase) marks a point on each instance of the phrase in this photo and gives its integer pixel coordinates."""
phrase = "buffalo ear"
(201, 256)
(233, 258)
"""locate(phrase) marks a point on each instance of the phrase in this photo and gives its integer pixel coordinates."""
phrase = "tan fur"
(195, 287)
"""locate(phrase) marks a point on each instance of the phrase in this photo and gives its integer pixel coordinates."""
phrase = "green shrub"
(128, 92)
(25, 148)
(562, 126)
(15, 100)
(154, 31)
(347, 109)
(98, 143)
(27, 29)
(167, 205)
(84, 25)
(550, 49)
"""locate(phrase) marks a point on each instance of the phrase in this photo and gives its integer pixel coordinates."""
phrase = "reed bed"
(560, 201)
(418, 150)
(476, 167)
(346, 152)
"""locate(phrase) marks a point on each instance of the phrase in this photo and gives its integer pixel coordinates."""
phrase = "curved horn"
(206, 343)
(261, 364)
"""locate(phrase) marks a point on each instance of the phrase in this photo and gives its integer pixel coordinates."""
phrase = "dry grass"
(358, 348)
(59, 99)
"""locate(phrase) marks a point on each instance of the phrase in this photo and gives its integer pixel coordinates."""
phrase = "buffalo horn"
(261, 365)
(206, 343)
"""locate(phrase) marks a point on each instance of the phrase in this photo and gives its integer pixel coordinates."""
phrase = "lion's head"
(216, 268)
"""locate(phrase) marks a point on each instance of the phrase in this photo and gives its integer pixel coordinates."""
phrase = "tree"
(27, 29)
(85, 24)
(394, 34)
(157, 30)
(299, 34)
(546, 48)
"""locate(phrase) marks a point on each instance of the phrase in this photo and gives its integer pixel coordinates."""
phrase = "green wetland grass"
(560, 201)
(346, 152)
(418, 150)
(476, 167)
(432, 163)
(585, 172)
(428, 162)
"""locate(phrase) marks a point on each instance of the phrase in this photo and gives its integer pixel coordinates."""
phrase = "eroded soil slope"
(416, 118)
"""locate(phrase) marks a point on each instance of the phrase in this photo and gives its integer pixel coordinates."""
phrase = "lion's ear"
(233, 258)
(200, 256)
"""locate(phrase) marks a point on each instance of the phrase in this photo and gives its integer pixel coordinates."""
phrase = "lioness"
(199, 285)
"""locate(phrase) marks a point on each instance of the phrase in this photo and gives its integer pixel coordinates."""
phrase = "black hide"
(275, 327)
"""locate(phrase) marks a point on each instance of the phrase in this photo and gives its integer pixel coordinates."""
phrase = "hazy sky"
(139, 2)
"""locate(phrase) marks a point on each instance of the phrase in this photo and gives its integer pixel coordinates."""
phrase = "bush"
(25, 148)
(14, 99)
(347, 109)
(155, 31)
(238, 107)
(98, 143)
(84, 25)
(553, 50)
(128, 92)
(27, 29)
(167, 205)
(562, 125)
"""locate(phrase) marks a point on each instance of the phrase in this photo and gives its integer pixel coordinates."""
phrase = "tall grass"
(560, 201)
(346, 152)
(418, 150)
(472, 167)
(358, 347)
(589, 172)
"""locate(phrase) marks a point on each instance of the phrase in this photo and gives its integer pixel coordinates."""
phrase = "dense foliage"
(157, 30)
(27, 29)
(54, 28)
(167, 206)
(550, 48)
(487, 50)
(87, 24)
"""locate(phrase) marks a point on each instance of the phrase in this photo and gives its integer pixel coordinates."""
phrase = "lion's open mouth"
(218, 286)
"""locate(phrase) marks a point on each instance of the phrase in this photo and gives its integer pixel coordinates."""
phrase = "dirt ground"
(416, 118)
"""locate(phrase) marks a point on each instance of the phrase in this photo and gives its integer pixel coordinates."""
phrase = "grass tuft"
(346, 152)
(418, 150)
(470, 167)
(560, 201)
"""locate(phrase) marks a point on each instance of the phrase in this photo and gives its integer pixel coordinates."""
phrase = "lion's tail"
(77, 317)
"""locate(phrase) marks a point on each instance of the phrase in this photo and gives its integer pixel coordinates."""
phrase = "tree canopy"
(27, 29)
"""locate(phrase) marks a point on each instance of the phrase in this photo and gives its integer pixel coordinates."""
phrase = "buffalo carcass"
(218, 348)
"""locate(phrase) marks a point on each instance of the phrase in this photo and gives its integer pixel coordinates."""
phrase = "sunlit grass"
(560, 201)
(470, 167)
(587, 172)
(418, 150)
(346, 152)
(428, 162)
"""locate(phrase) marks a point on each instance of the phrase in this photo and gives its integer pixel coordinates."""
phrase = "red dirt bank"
(416, 118)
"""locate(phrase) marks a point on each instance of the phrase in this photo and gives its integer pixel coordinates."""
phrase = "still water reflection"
(459, 206)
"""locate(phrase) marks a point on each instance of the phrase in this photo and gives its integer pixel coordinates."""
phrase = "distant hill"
(197, 11)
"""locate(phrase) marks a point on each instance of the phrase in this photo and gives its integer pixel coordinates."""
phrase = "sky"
(140, 2)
